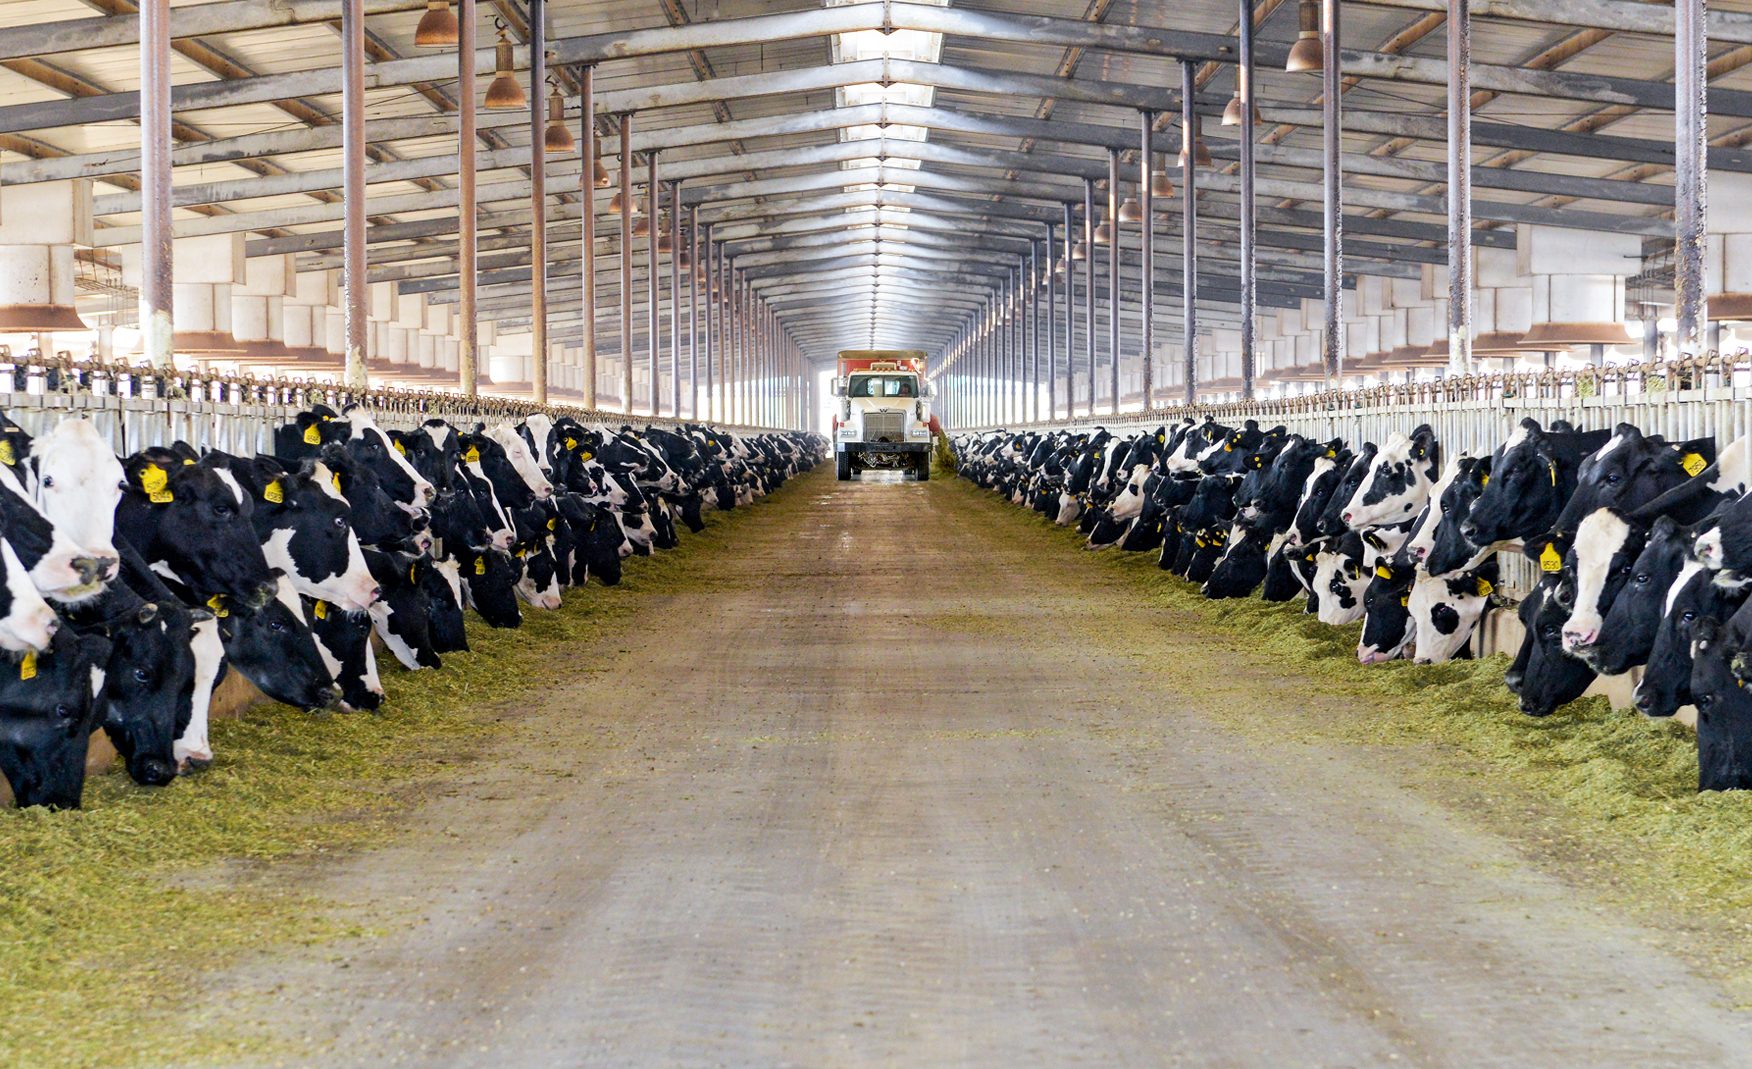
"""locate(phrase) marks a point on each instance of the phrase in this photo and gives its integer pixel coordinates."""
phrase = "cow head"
(1387, 627)
(489, 578)
(1543, 676)
(1724, 709)
(196, 520)
(1446, 610)
(1445, 550)
(78, 483)
(303, 522)
(1601, 560)
(271, 646)
(368, 444)
(1397, 483)
(1694, 596)
(148, 687)
(1630, 471)
(48, 711)
(1628, 626)
(1331, 519)
(1532, 475)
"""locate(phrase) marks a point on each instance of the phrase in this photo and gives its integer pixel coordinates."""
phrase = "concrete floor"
(898, 793)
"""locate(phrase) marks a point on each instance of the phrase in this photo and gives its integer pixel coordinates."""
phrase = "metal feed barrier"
(1682, 399)
(137, 407)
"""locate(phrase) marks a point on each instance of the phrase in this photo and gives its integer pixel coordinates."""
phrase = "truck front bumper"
(858, 448)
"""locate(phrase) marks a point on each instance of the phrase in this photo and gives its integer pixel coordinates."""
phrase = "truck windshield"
(883, 386)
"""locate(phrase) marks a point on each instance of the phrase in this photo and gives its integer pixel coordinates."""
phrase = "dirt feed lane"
(893, 791)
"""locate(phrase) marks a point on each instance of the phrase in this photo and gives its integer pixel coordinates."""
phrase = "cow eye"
(276, 625)
(64, 711)
(1614, 479)
(340, 521)
(141, 675)
(1704, 701)
(1688, 615)
(48, 481)
(222, 511)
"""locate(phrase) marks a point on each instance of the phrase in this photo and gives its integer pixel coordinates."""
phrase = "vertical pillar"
(675, 299)
(1244, 84)
(1089, 281)
(353, 186)
(1033, 331)
(1189, 229)
(156, 274)
(1460, 186)
(693, 313)
(653, 227)
(1114, 249)
(587, 188)
(626, 262)
(1332, 212)
(1147, 243)
(1690, 174)
(1051, 325)
(538, 357)
(712, 306)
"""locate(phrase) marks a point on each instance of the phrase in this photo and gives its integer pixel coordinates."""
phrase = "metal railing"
(137, 407)
(1681, 399)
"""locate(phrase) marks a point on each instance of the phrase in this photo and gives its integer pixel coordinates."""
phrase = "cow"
(1542, 675)
(1397, 482)
(1445, 611)
(1724, 709)
(48, 710)
(1532, 476)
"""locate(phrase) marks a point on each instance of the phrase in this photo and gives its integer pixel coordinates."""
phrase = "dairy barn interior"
(919, 533)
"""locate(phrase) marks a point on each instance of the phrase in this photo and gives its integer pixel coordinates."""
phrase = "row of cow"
(1643, 546)
(128, 586)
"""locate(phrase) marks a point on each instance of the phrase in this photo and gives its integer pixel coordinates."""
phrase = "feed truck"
(884, 418)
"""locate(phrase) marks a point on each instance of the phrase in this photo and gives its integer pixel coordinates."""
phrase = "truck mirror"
(838, 388)
(930, 389)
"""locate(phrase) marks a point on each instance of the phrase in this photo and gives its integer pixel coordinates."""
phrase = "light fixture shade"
(1131, 211)
(438, 27)
(1232, 111)
(641, 226)
(1201, 155)
(556, 139)
(1305, 54)
(1080, 251)
(1104, 234)
(504, 93)
(614, 203)
(1160, 187)
(601, 178)
(663, 242)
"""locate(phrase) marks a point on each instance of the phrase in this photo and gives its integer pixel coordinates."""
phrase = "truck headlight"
(919, 432)
(848, 432)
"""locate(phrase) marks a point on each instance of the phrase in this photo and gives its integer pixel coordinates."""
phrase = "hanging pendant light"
(602, 179)
(641, 222)
(1305, 54)
(1201, 154)
(1131, 211)
(663, 242)
(1160, 187)
(1104, 233)
(504, 93)
(438, 27)
(1080, 251)
(1232, 111)
(557, 140)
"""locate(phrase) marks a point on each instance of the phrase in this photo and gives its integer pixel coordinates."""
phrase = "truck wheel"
(843, 466)
(923, 471)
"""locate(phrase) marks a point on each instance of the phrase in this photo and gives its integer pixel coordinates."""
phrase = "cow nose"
(374, 595)
(94, 569)
(51, 626)
(1346, 517)
(152, 771)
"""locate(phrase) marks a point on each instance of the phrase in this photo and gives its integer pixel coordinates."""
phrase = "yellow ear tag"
(1483, 481)
(274, 493)
(1552, 464)
(217, 604)
(27, 666)
(411, 578)
(400, 448)
(1383, 571)
(187, 463)
(335, 478)
(1228, 447)
(320, 610)
(571, 443)
(7, 456)
(1550, 560)
(1693, 464)
(473, 456)
(586, 456)
(480, 566)
(1404, 600)
(553, 524)
(1484, 587)
(1330, 453)
(155, 482)
(313, 435)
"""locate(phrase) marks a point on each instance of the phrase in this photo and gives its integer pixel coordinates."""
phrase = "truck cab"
(884, 419)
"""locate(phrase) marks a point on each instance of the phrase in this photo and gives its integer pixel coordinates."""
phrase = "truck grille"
(885, 426)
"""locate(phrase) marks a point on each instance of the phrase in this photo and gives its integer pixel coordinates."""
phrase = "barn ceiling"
(875, 187)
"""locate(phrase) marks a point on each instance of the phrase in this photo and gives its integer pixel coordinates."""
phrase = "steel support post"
(1244, 73)
(1460, 186)
(538, 363)
(1033, 332)
(1114, 249)
(693, 313)
(587, 192)
(1332, 171)
(626, 262)
(1147, 245)
(1691, 174)
(353, 187)
(1089, 283)
(157, 257)
(1189, 230)
(653, 282)
(1051, 326)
